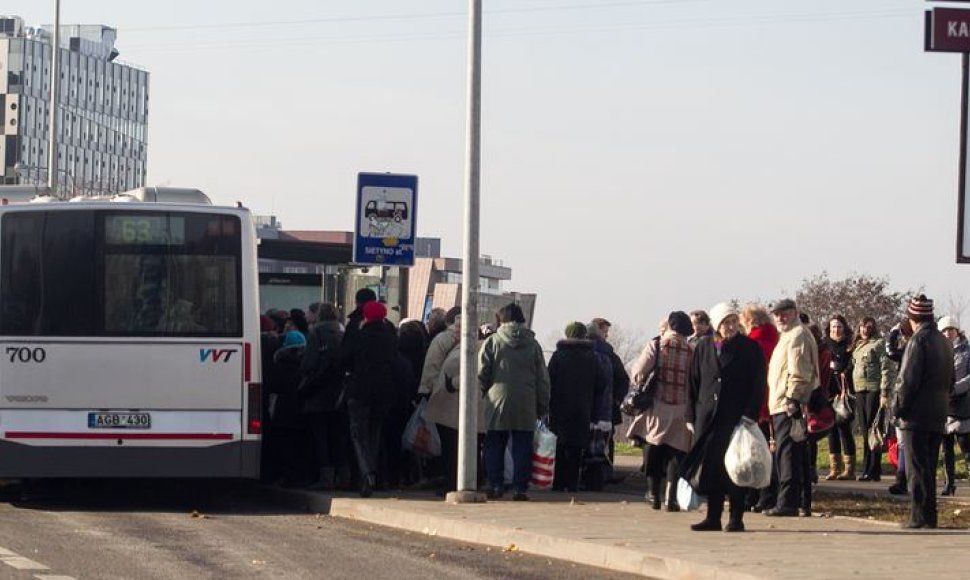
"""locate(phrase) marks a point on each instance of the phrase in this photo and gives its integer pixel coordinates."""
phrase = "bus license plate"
(119, 420)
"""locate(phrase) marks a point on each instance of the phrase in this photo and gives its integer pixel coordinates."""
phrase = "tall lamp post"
(55, 93)
(468, 400)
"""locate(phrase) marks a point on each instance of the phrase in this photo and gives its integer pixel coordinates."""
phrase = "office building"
(102, 112)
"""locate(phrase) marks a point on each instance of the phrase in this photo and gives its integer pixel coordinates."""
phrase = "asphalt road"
(183, 529)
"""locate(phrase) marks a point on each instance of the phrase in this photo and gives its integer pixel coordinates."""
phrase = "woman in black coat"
(372, 389)
(727, 382)
(575, 379)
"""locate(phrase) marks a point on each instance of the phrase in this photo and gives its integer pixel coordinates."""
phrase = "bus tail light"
(254, 420)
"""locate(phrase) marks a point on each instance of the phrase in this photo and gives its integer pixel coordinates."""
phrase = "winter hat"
(784, 304)
(374, 311)
(575, 330)
(266, 323)
(294, 338)
(920, 307)
(948, 322)
(719, 312)
(680, 323)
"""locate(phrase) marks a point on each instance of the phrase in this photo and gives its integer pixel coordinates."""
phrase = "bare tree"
(954, 305)
(628, 343)
(855, 297)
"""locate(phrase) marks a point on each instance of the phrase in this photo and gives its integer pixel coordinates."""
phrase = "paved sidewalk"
(620, 532)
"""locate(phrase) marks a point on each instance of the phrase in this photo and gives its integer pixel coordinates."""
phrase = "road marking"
(15, 560)
(21, 563)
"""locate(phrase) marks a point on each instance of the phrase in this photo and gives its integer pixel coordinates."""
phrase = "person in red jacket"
(758, 326)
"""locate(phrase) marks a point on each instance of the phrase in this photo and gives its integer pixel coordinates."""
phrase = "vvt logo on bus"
(215, 354)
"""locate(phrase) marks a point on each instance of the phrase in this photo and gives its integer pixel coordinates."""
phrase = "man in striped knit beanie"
(920, 404)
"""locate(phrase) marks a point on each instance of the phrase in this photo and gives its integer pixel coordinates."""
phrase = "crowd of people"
(728, 367)
(338, 397)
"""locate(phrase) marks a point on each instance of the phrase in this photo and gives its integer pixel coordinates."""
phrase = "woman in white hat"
(958, 412)
(727, 382)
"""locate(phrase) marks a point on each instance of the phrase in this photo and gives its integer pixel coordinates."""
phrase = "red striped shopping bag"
(543, 457)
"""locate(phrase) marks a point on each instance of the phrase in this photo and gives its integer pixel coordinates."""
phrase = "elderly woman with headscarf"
(726, 385)
(663, 426)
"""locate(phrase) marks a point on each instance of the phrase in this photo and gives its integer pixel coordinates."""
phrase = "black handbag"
(640, 399)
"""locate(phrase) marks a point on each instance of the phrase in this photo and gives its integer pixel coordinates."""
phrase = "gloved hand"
(690, 427)
(793, 408)
(604, 426)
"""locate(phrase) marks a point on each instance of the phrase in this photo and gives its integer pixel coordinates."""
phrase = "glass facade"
(102, 112)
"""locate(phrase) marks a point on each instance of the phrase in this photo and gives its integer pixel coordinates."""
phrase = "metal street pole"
(55, 93)
(468, 401)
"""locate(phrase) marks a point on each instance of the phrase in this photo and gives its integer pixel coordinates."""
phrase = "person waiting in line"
(436, 323)
(438, 349)
(370, 356)
(757, 325)
(443, 411)
(810, 472)
(895, 342)
(958, 409)
(841, 440)
(792, 376)
(269, 342)
(322, 394)
(575, 379)
(512, 372)
(289, 427)
(663, 426)
(872, 378)
(599, 331)
(701, 323)
(597, 461)
(726, 385)
(920, 407)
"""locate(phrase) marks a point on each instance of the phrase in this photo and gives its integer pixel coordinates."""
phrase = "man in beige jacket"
(792, 375)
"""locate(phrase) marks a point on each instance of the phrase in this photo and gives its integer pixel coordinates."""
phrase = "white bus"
(129, 338)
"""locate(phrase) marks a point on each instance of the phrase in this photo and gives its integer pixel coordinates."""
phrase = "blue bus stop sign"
(386, 222)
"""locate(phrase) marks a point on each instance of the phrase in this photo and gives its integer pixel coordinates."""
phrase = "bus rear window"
(120, 273)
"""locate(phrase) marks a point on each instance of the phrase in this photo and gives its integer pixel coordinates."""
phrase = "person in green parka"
(513, 375)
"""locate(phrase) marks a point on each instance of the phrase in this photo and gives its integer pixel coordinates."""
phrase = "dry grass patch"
(886, 509)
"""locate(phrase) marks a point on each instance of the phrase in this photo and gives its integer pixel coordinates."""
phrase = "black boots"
(655, 498)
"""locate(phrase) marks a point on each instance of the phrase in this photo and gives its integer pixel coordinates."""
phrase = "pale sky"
(638, 156)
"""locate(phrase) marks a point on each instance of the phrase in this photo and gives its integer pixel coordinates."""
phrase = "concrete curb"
(616, 558)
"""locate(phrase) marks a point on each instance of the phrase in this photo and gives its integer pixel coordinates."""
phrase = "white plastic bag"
(509, 472)
(420, 435)
(687, 498)
(748, 460)
(543, 456)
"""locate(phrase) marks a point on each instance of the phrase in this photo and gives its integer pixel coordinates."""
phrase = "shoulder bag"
(844, 403)
(640, 399)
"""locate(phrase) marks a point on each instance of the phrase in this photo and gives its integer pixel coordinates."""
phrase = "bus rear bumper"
(236, 459)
